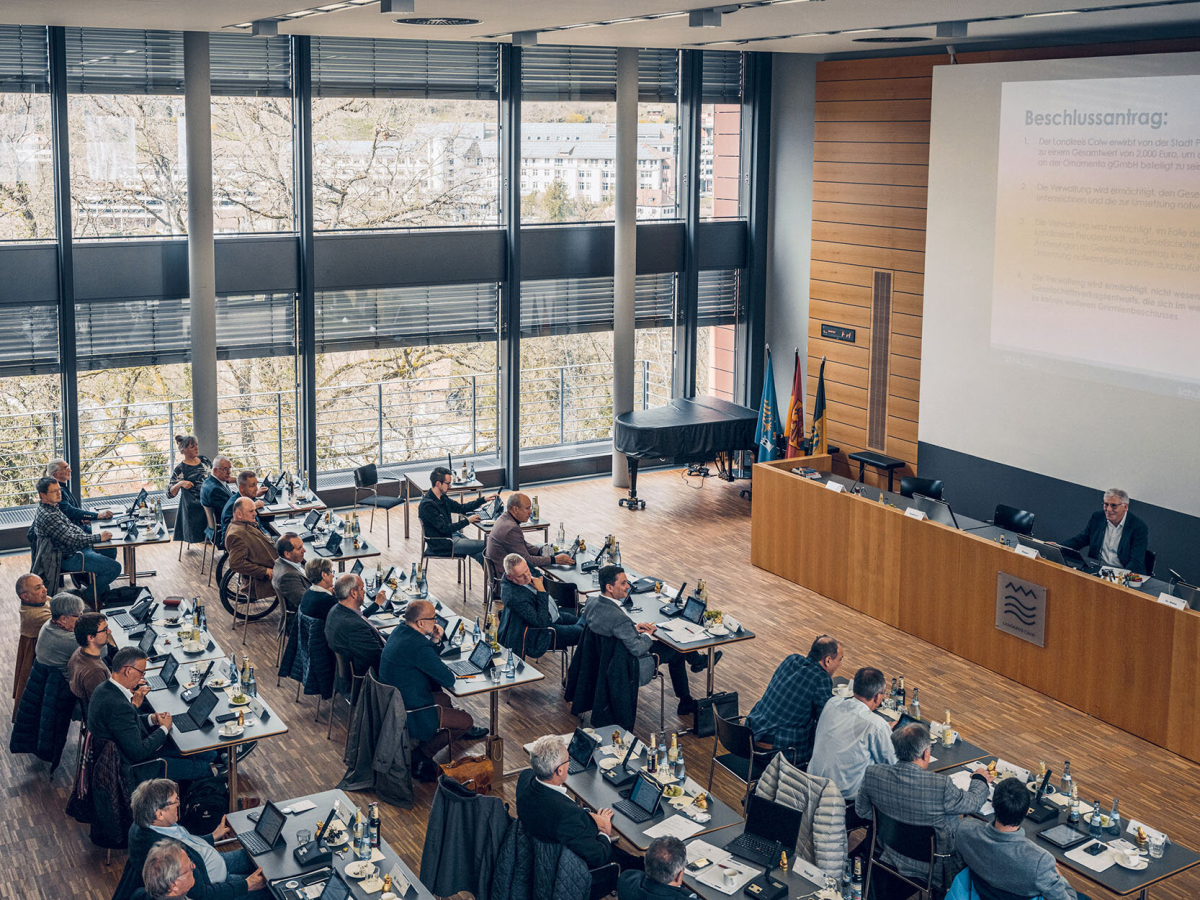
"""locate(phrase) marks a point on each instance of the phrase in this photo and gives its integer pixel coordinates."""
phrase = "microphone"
(1175, 576)
(854, 488)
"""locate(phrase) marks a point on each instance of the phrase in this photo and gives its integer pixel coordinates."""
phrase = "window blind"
(580, 305)
(124, 61)
(407, 316)
(24, 59)
(721, 77)
(123, 333)
(366, 67)
(718, 296)
(590, 73)
(28, 340)
(242, 65)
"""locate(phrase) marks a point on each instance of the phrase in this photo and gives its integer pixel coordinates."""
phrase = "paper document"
(714, 876)
(684, 632)
(676, 827)
(1098, 863)
(704, 850)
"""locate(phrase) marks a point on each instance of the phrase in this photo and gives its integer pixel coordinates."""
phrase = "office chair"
(929, 487)
(1012, 519)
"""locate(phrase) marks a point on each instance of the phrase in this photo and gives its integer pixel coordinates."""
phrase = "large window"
(717, 374)
(26, 168)
(721, 137)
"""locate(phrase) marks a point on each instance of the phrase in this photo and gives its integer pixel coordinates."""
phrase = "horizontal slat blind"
(407, 317)
(578, 305)
(590, 73)
(124, 61)
(246, 66)
(142, 332)
(721, 76)
(28, 340)
(24, 59)
(366, 67)
(718, 296)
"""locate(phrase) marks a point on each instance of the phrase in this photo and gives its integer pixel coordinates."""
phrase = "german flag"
(795, 415)
(820, 440)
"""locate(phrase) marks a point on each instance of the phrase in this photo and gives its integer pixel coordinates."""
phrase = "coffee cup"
(731, 876)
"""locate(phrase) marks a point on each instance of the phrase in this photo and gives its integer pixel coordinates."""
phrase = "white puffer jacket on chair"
(823, 826)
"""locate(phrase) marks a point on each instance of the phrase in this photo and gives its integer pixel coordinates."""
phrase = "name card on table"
(834, 486)
(1171, 600)
(913, 513)
(1027, 551)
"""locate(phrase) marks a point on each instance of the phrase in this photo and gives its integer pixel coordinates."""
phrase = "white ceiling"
(501, 17)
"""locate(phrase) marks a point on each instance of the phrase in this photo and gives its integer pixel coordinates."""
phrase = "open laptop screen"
(773, 821)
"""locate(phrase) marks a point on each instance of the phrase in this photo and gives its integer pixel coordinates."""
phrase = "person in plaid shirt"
(72, 543)
(786, 716)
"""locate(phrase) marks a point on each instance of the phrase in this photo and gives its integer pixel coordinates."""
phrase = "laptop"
(266, 831)
(1064, 556)
(475, 664)
(580, 751)
(166, 678)
(132, 531)
(938, 510)
(373, 591)
(492, 511)
(642, 803)
(197, 714)
(194, 691)
(770, 829)
(1187, 592)
(270, 501)
(1077, 560)
(693, 610)
(146, 643)
(331, 547)
(137, 503)
(357, 568)
(137, 614)
(335, 888)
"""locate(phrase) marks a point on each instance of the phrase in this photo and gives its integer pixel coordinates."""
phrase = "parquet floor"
(684, 533)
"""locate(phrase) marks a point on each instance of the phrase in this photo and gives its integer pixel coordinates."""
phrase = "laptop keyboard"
(185, 724)
(463, 667)
(631, 810)
(753, 848)
(156, 683)
(574, 768)
(253, 843)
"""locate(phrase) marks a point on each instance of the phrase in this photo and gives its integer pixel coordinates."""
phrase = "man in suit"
(506, 537)
(1114, 535)
(112, 716)
(251, 553)
(908, 792)
(215, 491)
(346, 631)
(76, 512)
(663, 878)
(411, 664)
(604, 617)
(288, 576)
(527, 605)
(247, 486)
(1002, 856)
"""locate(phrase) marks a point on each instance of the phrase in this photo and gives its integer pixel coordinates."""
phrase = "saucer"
(232, 731)
(608, 763)
(361, 869)
(1123, 861)
(193, 647)
(234, 702)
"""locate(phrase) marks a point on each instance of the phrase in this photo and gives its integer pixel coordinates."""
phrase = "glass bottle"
(1066, 782)
(662, 749)
(477, 635)
(373, 825)
(203, 616)
(251, 684)
(673, 751)
(535, 513)
(652, 754)
(856, 881)
(947, 732)
(894, 694)
(560, 542)
(902, 694)
(1114, 819)
(1073, 815)
(916, 705)
(1095, 827)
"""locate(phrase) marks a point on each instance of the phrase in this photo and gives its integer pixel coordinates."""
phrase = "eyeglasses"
(102, 629)
(141, 671)
(1113, 505)
(428, 619)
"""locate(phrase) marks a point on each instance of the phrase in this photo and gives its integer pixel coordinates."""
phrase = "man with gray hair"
(531, 617)
(1114, 535)
(60, 470)
(215, 491)
(663, 878)
(347, 632)
(908, 792)
(506, 537)
(71, 547)
(56, 641)
(168, 873)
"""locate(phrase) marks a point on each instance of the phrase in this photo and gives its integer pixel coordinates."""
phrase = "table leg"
(712, 665)
(407, 494)
(341, 565)
(233, 780)
(861, 469)
(891, 472)
(493, 710)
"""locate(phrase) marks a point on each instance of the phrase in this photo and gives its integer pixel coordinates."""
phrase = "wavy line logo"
(1021, 608)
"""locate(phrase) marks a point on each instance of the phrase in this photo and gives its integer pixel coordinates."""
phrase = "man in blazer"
(527, 605)
(112, 716)
(251, 552)
(288, 576)
(347, 632)
(1114, 535)
(215, 491)
(411, 664)
(908, 792)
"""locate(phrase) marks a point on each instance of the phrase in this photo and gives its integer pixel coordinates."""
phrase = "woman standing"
(191, 472)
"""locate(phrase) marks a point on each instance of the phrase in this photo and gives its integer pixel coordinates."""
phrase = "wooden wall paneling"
(839, 291)
(902, 407)
(907, 303)
(908, 388)
(853, 315)
(835, 372)
(869, 236)
(904, 345)
(1183, 707)
(884, 67)
(847, 414)
(873, 580)
(900, 428)
(879, 194)
(870, 257)
(864, 214)
(834, 392)
(906, 323)
(849, 354)
(874, 111)
(879, 152)
(876, 89)
(873, 132)
(906, 367)
(910, 282)
(871, 173)
(862, 336)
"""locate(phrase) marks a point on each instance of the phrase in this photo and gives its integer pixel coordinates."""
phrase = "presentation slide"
(1061, 320)
(1098, 225)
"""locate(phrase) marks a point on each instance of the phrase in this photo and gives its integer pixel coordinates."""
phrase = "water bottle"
(680, 767)
(477, 636)
(916, 705)
(203, 617)
(412, 576)
(251, 684)
(233, 670)
(1066, 781)
(617, 553)
(846, 876)
(510, 666)
(1114, 820)
(1095, 829)
(560, 542)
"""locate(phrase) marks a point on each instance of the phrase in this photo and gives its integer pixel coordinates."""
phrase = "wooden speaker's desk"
(1112, 652)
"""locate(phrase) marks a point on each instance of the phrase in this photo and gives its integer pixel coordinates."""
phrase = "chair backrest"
(1012, 519)
(366, 476)
(211, 517)
(914, 841)
(563, 593)
(493, 577)
(738, 739)
(986, 891)
(929, 487)
(1151, 559)
(346, 673)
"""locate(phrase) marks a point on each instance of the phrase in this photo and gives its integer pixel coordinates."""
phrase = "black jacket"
(524, 608)
(111, 717)
(44, 715)
(411, 664)
(551, 817)
(142, 839)
(437, 517)
(1132, 549)
(348, 633)
(634, 885)
(603, 679)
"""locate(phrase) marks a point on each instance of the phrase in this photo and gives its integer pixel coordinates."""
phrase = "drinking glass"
(303, 836)
(494, 674)
(1157, 844)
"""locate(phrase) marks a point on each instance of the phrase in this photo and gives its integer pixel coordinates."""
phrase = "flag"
(820, 440)
(795, 415)
(769, 428)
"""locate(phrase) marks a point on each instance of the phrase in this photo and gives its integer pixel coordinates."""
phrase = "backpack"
(204, 803)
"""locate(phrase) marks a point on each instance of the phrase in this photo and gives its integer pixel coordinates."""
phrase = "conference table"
(169, 638)
(946, 585)
(802, 877)
(346, 552)
(280, 867)
(148, 533)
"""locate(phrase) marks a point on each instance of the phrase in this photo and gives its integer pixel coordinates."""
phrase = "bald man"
(251, 552)
(506, 537)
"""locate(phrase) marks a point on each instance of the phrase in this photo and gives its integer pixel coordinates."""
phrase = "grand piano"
(688, 431)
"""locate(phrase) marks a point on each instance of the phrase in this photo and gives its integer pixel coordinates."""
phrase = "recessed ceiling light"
(1061, 12)
(912, 39)
(436, 20)
(704, 18)
(397, 7)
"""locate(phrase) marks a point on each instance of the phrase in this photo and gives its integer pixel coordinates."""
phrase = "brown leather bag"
(472, 772)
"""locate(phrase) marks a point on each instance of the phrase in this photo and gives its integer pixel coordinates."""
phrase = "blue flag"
(769, 429)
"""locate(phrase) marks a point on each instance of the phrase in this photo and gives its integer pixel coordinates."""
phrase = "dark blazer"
(411, 664)
(524, 608)
(113, 718)
(317, 604)
(549, 816)
(289, 583)
(142, 839)
(349, 634)
(437, 518)
(214, 494)
(1132, 549)
(635, 885)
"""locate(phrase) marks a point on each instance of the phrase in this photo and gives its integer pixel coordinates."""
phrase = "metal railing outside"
(27, 441)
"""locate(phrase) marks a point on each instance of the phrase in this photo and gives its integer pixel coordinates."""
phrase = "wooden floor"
(685, 532)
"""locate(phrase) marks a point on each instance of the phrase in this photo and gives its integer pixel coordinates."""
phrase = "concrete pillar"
(625, 246)
(202, 279)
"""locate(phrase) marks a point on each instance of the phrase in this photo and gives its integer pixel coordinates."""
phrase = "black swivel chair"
(916, 842)
(928, 487)
(1151, 559)
(1012, 519)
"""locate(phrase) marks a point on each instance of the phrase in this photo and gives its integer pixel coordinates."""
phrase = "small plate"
(590, 731)
(218, 682)
(245, 701)
(234, 731)
(193, 647)
(609, 763)
(361, 868)
(1123, 861)
(337, 838)
(718, 630)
